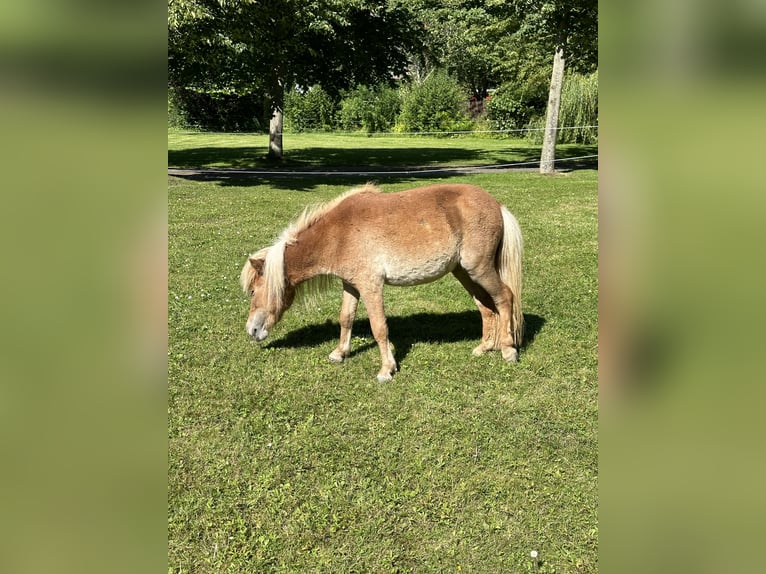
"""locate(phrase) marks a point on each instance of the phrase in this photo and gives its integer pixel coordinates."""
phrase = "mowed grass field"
(280, 461)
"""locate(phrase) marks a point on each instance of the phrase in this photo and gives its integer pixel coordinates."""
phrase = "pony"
(368, 238)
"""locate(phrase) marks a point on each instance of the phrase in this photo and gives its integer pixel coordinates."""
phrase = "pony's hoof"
(511, 354)
(336, 356)
(479, 351)
(385, 378)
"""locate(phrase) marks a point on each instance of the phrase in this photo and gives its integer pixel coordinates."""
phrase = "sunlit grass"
(281, 461)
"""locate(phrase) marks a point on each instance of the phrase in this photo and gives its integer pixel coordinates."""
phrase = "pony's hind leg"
(507, 345)
(501, 298)
(486, 308)
(347, 314)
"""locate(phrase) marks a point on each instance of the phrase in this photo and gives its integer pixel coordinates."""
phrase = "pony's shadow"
(405, 331)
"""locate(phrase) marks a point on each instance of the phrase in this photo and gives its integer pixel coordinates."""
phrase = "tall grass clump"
(437, 104)
(579, 107)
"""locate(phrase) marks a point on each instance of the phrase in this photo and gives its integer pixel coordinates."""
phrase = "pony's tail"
(509, 267)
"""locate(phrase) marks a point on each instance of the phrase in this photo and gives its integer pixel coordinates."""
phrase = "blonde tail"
(509, 267)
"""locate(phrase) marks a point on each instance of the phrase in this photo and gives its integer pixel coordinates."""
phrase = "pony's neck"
(304, 258)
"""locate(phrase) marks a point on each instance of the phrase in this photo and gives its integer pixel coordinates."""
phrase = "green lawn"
(280, 461)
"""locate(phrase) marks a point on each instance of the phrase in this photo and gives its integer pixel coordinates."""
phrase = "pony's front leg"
(347, 314)
(373, 301)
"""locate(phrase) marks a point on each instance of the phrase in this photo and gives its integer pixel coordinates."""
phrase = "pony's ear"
(257, 265)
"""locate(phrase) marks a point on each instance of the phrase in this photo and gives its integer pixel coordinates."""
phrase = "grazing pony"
(368, 239)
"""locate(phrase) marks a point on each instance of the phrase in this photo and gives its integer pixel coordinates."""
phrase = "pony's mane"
(274, 256)
(314, 213)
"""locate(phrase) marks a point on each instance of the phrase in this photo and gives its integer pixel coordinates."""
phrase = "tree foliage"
(547, 24)
(263, 47)
(459, 36)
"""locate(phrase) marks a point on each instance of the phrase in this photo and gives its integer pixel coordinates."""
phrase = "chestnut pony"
(368, 239)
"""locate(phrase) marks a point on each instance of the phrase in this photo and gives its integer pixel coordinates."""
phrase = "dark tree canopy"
(245, 47)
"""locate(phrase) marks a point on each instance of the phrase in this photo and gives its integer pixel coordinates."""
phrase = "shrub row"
(215, 112)
(437, 104)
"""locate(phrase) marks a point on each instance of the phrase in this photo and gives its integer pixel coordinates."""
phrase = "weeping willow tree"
(579, 107)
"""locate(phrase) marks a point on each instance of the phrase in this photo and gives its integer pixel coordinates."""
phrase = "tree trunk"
(548, 156)
(275, 135)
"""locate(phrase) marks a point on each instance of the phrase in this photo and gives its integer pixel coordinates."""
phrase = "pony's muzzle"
(255, 326)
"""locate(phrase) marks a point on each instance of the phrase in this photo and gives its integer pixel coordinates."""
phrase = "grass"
(307, 150)
(280, 461)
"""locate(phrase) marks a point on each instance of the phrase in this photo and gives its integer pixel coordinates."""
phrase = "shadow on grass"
(323, 157)
(247, 166)
(404, 332)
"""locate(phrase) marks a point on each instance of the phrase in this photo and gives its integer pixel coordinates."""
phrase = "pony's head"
(263, 279)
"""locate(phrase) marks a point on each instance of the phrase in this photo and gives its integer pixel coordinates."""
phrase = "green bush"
(215, 112)
(514, 106)
(176, 114)
(372, 109)
(354, 108)
(313, 109)
(437, 104)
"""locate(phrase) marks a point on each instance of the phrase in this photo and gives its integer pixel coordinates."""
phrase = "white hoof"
(336, 356)
(511, 354)
(385, 378)
(479, 351)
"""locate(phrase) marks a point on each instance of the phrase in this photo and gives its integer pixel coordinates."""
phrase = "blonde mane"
(247, 276)
(274, 256)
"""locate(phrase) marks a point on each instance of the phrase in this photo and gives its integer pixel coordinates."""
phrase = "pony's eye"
(251, 292)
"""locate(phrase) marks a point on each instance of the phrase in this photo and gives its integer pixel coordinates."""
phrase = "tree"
(464, 36)
(563, 27)
(268, 46)
(459, 42)
(550, 135)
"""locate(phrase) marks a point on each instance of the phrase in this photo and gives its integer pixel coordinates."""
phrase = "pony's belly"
(414, 272)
